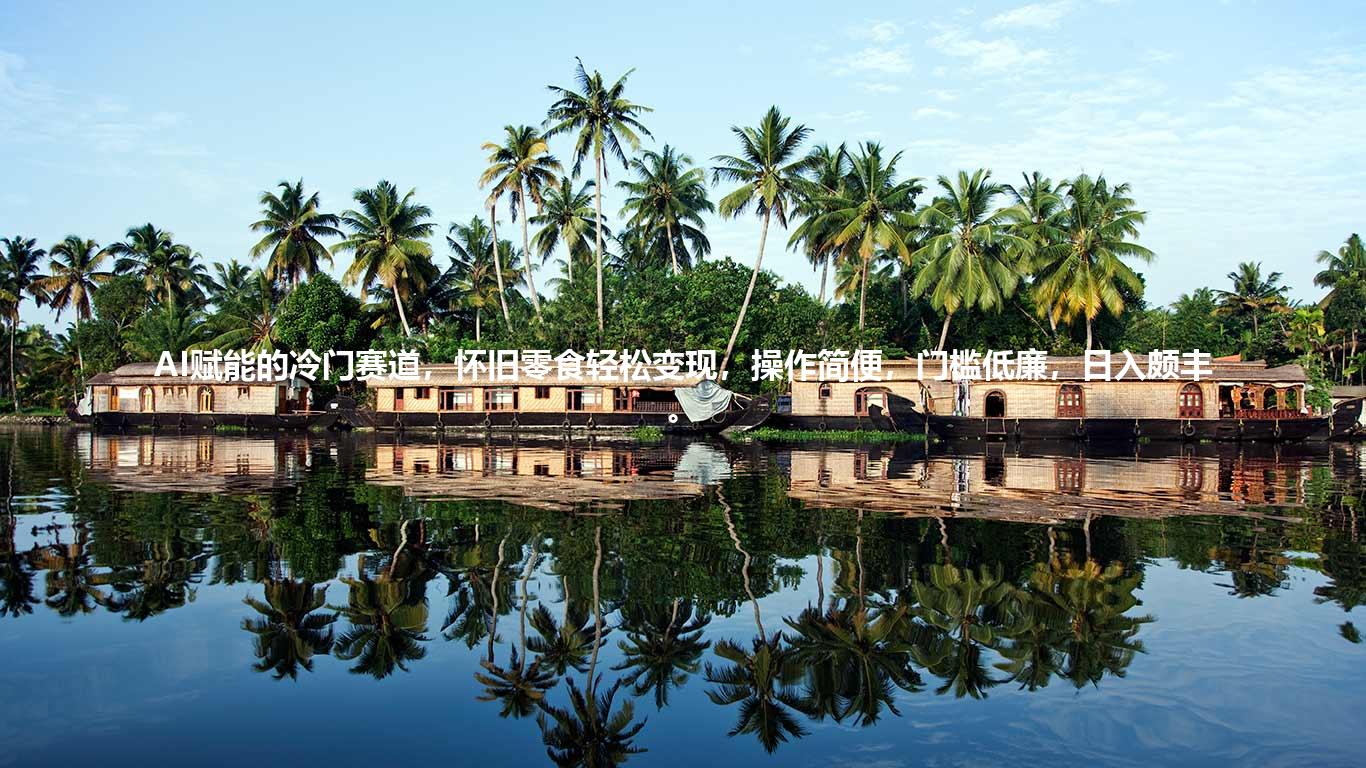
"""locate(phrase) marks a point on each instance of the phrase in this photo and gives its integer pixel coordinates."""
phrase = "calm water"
(355, 601)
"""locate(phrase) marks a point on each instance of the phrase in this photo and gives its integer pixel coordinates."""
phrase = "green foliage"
(319, 315)
(121, 301)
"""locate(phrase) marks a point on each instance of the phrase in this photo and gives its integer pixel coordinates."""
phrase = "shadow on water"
(613, 600)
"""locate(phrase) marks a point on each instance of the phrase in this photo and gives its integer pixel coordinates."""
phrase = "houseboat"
(1235, 400)
(1349, 413)
(443, 397)
(134, 395)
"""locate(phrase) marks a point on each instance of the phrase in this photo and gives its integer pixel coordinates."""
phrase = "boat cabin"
(444, 397)
(134, 394)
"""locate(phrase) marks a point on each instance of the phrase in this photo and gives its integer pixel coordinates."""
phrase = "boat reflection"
(151, 462)
(999, 483)
(559, 475)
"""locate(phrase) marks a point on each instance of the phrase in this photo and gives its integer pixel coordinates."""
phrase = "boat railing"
(656, 406)
(1268, 414)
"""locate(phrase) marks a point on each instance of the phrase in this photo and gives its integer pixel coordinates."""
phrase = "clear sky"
(1240, 125)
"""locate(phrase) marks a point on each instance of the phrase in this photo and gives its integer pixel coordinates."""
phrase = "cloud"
(998, 55)
(926, 113)
(1158, 56)
(877, 31)
(1033, 16)
(887, 61)
(879, 89)
(852, 116)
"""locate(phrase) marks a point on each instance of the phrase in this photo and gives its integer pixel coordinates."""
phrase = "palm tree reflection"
(288, 632)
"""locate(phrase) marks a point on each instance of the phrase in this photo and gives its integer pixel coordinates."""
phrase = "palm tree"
(961, 612)
(474, 269)
(288, 632)
(1253, 294)
(769, 171)
(669, 195)
(388, 620)
(873, 215)
(249, 322)
(1036, 214)
(566, 217)
(588, 733)
(387, 236)
(1095, 633)
(663, 646)
(293, 227)
(829, 170)
(1349, 261)
(75, 274)
(521, 168)
(19, 278)
(601, 117)
(1083, 273)
(566, 644)
(171, 327)
(521, 688)
(230, 283)
(169, 270)
(970, 254)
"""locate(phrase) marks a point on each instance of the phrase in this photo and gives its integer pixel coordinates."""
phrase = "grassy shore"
(647, 434)
(851, 436)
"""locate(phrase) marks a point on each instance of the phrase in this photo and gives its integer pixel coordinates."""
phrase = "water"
(352, 601)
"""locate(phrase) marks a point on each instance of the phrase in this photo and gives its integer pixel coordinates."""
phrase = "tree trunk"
(744, 307)
(944, 332)
(402, 316)
(13, 378)
(476, 326)
(80, 358)
(1088, 334)
(498, 265)
(673, 256)
(862, 298)
(526, 255)
(825, 271)
(597, 208)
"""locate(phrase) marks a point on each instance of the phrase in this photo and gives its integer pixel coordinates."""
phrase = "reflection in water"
(776, 591)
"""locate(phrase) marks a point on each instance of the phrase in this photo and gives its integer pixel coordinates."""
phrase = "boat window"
(205, 400)
(455, 399)
(398, 398)
(870, 397)
(1269, 398)
(501, 399)
(583, 398)
(543, 393)
(243, 391)
(996, 404)
(825, 391)
(147, 400)
(1071, 402)
(422, 393)
(1191, 402)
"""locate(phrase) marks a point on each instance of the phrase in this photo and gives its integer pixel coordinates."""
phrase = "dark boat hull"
(1102, 430)
(120, 421)
(1347, 421)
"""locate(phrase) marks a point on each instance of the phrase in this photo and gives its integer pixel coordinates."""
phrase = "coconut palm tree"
(587, 733)
(971, 255)
(293, 227)
(1096, 633)
(874, 215)
(388, 618)
(230, 283)
(388, 238)
(601, 119)
(19, 278)
(1253, 294)
(249, 322)
(829, 177)
(169, 271)
(566, 217)
(961, 613)
(520, 688)
(75, 275)
(565, 644)
(475, 283)
(288, 632)
(769, 171)
(663, 647)
(1348, 261)
(669, 196)
(170, 327)
(1082, 274)
(521, 168)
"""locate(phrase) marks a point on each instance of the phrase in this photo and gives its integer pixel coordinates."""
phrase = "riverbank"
(35, 418)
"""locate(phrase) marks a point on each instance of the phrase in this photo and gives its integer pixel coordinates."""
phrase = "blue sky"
(1238, 124)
